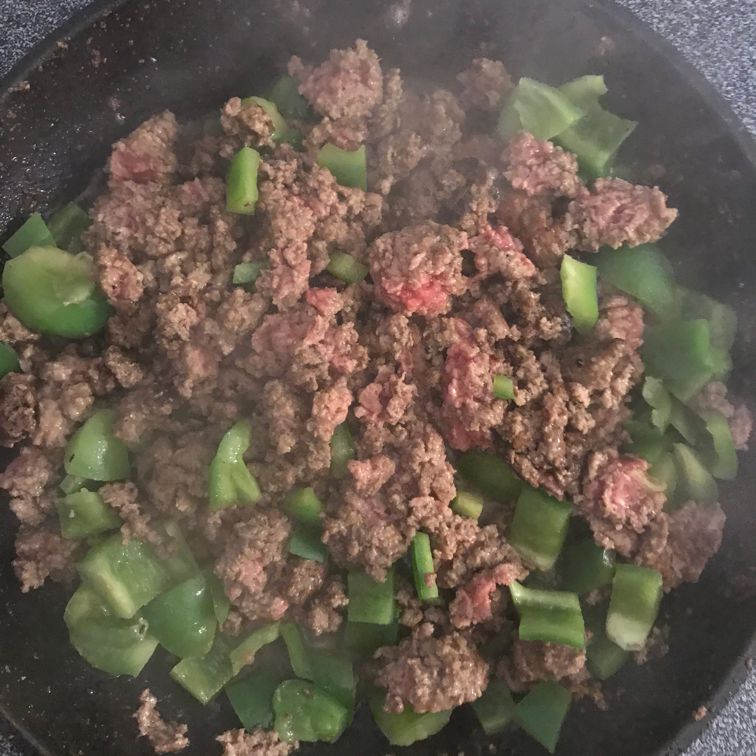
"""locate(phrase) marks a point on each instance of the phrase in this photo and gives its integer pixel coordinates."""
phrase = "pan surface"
(62, 109)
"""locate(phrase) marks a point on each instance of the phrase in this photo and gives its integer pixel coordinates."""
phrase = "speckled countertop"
(717, 36)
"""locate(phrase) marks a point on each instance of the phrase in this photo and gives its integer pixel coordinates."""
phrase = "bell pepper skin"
(305, 712)
(231, 482)
(241, 182)
(94, 452)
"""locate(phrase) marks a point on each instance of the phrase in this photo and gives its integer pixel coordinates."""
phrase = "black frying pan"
(127, 60)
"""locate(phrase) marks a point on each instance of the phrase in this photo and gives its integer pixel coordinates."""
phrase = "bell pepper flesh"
(179, 562)
(495, 708)
(305, 543)
(694, 480)
(8, 360)
(467, 504)
(205, 676)
(605, 657)
(503, 387)
(585, 567)
(542, 712)
(633, 606)
(303, 505)
(94, 453)
(720, 453)
(113, 645)
(369, 600)
(241, 182)
(334, 673)
(303, 711)
(648, 441)
(585, 91)
(490, 474)
(347, 268)
(221, 602)
(539, 527)
(244, 653)
(54, 292)
(285, 94)
(298, 652)
(551, 616)
(349, 167)
(664, 471)
(252, 698)
(406, 727)
(658, 398)
(183, 618)
(83, 514)
(423, 569)
(230, 481)
(362, 639)
(246, 273)
(71, 483)
(126, 576)
(342, 450)
(722, 320)
(580, 293)
(645, 274)
(34, 232)
(67, 225)
(685, 421)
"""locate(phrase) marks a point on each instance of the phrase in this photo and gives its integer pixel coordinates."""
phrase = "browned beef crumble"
(164, 737)
(259, 742)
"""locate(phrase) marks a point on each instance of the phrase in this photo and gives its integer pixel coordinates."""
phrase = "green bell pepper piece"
(34, 232)
(241, 182)
(495, 708)
(695, 482)
(539, 527)
(83, 514)
(503, 387)
(179, 563)
(585, 91)
(71, 483)
(55, 293)
(658, 398)
(634, 605)
(664, 471)
(585, 567)
(334, 673)
(722, 320)
(305, 543)
(67, 225)
(116, 646)
(685, 421)
(363, 639)
(406, 727)
(183, 618)
(467, 504)
(298, 652)
(580, 293)
(307, 713)
(8, 360)
(648, 441)
(244, 653)
(551, 616)
(252, 698)
(246, 273)
(205, 676)
(126, 576)
(342, 450)
(221, 602)
(490, 474)
(231, 482)
(349, 167)
(347, 268)
(94, 453)
(719, 448)
(645, 274)
(369, 600)
(605, 657)
(285, 94)
(542, 712)
(303, 505)
(423, 569)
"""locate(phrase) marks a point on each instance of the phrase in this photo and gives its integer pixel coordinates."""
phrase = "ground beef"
(124, 500)
(25, 479)
(121, 281)
(620, 318)
(18, 405)
(259, 742)
(534, 661)
(248, 124)
(164, 737)
(495, 251)
(418, 269)
(146, 155)
(42, 553)
(485, 84)
(325, 612)
(386, 399)
(537, 167)
(616, 212)
(714, 396)
(431, 674)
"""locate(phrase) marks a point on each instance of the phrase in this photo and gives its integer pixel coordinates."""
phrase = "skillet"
(127, 60)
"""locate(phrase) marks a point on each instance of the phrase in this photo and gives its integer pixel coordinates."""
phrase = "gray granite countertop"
(717, 36)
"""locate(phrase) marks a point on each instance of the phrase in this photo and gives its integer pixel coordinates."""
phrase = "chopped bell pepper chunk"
(34, 232)
(542, 712)
(342, 450)
(634, 604)
(8, 360)
(423, 569)
(349, 167)
(347, 268)
(241, 182)
(585, 566)
(580, 293)
(94, 452)
(369, 600)
(552, 616)
(495, 708)
(205, 676)
(231, 482)
(490, 474)
(406, 727)
(83, 514)
(503, 387)
(467, 504)
(67, 225)
(305, 712)
(244, 653)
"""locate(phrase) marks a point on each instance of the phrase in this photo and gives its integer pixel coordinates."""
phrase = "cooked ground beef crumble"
(463, 237)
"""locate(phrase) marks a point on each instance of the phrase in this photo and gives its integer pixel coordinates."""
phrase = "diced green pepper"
(231, 482)
(183, 618)
(369, 600)
(723, 322)
(364, 638)
(221, 602)
(539, 527)
(34, 232)
(658, 398)
(541, 110)
(55, 293)
(648, 441)
(8, 360)
(95, 453)
(580, 293)
(342, 450)
(686, 422)
(252, 698)
(305, 543)
(116, 646)
(542, 712)
(605, 657)
(298, 653)
(694, 480)
(205, 676)
(585, 567)
(126, 576)
(719, 452)
(664, 471)
(246, 273)
(290, 103)
(334, 673)
(244, 653)
(423, 569)
(83, 514)
(645, 274)
(71, 483)
(636, 594)
(490, 474)
(503, 387)
(241, 182)
(552, 616)
(347, 268)
(67, 225)
(349, 167)
(406, 727)
(495, 708)
(467, 504)
(305, 712)
(179, 562)
(303, 505)
(585, 91)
